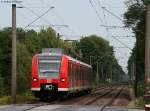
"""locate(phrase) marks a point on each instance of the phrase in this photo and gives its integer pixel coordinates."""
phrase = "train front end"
(47, 77)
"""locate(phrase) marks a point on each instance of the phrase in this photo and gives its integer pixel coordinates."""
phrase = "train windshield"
(49, 67)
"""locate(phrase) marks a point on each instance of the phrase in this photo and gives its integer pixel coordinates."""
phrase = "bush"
(5, 100)
(140, 88)
(23, 98)
(140, 102)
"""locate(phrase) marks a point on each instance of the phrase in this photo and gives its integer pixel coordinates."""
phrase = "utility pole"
(147, 57)
(147, 47)
(14, 57)
(14, 60)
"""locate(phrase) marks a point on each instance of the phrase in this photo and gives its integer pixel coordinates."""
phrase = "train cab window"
(49, 68)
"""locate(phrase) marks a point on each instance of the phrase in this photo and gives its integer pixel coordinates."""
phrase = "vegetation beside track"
(134, 18)
(140, 103)
(30, 42)
(22, 98)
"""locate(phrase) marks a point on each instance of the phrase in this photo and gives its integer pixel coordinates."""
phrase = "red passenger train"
(54, 73)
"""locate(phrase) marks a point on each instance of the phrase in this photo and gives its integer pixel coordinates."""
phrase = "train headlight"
(35, 79)
(62, 79)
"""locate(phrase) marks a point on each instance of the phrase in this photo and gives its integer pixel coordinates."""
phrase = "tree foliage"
(135, 19)
(95, 49)
(31, 42)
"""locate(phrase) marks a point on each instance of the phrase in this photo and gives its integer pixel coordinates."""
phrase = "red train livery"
(54, 73)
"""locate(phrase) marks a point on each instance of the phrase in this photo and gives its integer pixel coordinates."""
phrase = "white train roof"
(70, 58)
(75, 60)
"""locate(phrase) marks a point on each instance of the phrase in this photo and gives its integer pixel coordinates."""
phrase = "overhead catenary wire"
(95, 10)
(122, 43)
(107, 29)
(39, 17)
(113, 26)
(48, 25)
(105, 20)
(91, 5)
(106, 26)
(112, 14)
(128, 36)
(57, 14)
(39, 7)
(34, 13)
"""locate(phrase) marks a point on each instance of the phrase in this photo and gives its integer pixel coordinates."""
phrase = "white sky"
(79, 16)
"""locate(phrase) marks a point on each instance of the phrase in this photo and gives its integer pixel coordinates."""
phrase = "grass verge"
(23, 98)
(140, 102)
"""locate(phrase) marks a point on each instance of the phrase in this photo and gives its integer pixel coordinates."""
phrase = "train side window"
(78, 74)
(75, 71)
(88, 74)
(82, 73)
(69, 67)
(70, 70)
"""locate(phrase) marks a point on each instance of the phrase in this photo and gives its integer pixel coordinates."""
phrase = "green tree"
(23, 68)
(98, 50)
(135, 19)
(28, 43)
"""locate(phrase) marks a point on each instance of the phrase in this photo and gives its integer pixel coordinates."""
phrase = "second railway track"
(101, 97)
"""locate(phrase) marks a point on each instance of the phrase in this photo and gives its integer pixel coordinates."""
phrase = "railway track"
(102, 97)
(110, 102)
(98, 97)
(81, 100)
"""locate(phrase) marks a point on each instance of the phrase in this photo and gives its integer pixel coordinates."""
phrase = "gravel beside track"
(115, 95)
(123, 98)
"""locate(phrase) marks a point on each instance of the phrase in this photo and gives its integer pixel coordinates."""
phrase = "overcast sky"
(82, 17)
